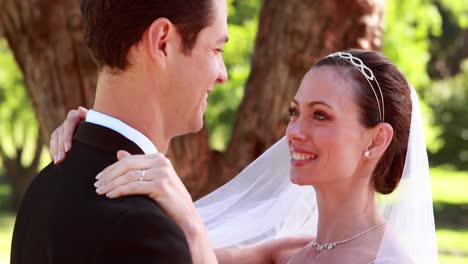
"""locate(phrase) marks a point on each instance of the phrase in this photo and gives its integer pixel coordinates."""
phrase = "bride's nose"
(295, 131)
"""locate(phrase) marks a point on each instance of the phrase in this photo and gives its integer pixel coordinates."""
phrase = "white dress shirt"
(120, 127)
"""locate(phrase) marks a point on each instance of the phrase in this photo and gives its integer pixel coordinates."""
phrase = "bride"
(348, 184)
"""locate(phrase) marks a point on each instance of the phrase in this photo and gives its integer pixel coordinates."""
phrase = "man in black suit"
(158, 61)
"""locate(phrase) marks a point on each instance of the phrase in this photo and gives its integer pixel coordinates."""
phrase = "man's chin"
(196, 126)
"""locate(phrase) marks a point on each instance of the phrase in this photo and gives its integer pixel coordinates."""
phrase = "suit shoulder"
(42, 179)
(148, 233)
(142, 210)
(50, 169)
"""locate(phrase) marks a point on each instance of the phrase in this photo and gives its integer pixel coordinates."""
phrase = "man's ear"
(382, 136)
(158, 35)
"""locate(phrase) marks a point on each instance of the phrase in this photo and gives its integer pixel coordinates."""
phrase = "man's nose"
(222, 76)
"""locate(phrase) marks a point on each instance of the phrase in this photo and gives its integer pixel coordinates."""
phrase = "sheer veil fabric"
(261, 204)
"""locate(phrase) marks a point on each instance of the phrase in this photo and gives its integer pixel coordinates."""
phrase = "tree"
(20, 144)
(407, 37)
(449, 49)
(448, 99)
(47, 41)
(291, 35)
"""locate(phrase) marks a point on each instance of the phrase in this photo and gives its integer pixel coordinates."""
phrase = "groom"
(158, 61)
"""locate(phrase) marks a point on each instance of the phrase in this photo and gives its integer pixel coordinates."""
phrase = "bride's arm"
(153, 175)
(199, 244)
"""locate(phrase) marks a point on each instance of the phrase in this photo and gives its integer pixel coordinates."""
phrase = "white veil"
(261, 204)
(408, 210)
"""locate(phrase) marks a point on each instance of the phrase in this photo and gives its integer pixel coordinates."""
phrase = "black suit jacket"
(63, 220)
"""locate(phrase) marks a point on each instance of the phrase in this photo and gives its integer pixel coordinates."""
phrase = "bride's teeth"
(300, 156)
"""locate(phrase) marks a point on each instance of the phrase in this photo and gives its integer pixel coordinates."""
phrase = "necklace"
(331, 245)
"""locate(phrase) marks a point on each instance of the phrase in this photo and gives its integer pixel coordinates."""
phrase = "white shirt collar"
(120, 127)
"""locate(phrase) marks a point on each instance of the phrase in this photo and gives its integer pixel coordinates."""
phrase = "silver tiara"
(368, 74)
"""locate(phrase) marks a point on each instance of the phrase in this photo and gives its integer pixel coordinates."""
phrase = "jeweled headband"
(368, 74)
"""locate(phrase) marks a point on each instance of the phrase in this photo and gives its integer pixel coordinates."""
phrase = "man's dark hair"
(112, 27)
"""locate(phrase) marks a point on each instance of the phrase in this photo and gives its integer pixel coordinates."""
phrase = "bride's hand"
(61, 138)
(151, 175)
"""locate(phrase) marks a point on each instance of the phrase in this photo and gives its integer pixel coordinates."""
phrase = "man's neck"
(123, 97)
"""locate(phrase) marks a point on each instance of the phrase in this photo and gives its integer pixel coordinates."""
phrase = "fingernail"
(67, 147)
(100, 189)
(55, 159)
(98, 176)
(97, 184)
(110, 195)
(60, 155)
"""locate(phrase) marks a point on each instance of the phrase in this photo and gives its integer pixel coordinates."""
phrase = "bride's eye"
(293, 112)
(321, 116)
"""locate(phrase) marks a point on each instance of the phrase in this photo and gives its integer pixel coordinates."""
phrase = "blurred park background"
(45, 71)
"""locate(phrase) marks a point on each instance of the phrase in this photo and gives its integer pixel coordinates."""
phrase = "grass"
(448, 259)
(451, 213)
(450, 207)
(453, 240)
(449, 186)
(6, 227)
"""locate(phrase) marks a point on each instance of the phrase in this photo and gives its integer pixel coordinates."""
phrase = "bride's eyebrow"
(313, 103)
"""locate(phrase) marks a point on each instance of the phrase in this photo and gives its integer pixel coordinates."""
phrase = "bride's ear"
(382, 136)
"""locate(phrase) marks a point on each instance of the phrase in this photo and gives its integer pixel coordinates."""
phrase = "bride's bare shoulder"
(286, 247)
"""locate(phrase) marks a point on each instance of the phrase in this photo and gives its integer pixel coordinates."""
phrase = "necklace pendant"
(321, 247)
(332, 245)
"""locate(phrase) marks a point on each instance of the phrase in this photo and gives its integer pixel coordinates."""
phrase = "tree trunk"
(19, 175)
(47, 41)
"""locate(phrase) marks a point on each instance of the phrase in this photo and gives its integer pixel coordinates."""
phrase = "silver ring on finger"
(142, 176)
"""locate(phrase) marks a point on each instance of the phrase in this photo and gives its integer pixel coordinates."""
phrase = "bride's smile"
(300, 157)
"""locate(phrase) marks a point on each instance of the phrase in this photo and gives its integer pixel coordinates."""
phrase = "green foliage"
(225, 99)
(448, 98)
(459, 8)
(18, 125)
(241, 11)
(408, 26)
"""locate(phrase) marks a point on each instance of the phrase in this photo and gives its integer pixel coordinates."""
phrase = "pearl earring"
(367, 153)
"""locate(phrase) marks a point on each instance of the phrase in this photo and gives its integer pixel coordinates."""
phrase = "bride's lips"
(300, 157)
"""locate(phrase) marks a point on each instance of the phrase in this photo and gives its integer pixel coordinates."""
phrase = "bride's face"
(325, 137)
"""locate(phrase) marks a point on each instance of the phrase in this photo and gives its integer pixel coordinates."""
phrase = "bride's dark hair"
(397, 104)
